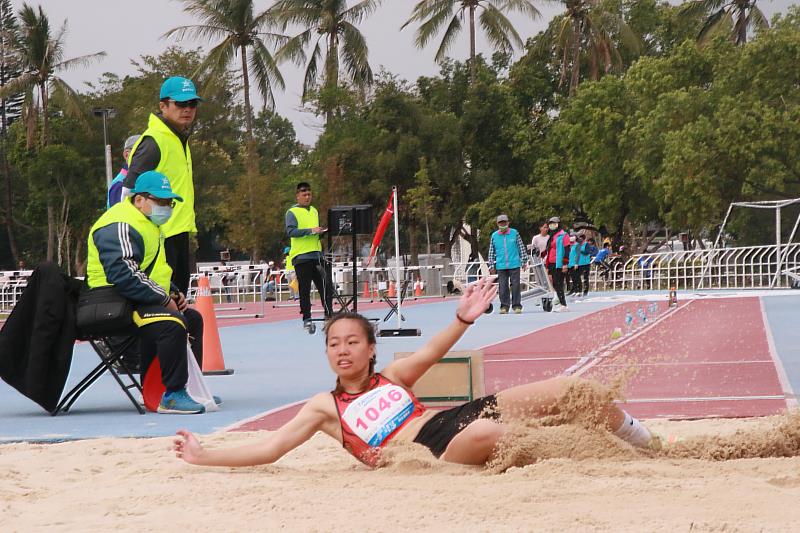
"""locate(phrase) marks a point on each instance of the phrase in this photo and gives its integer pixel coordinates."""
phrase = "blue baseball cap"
(155, 184)
(178, 89)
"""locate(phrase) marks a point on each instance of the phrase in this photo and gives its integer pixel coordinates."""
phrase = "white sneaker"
(560, 309)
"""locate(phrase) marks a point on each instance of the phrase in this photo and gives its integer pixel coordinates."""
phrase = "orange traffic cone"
(392, 291)
(213, 363)
(418, 288)
(365, 294)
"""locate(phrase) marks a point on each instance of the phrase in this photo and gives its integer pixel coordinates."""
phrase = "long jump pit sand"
(714, 475)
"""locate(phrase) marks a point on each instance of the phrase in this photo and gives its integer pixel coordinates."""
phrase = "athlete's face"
(348, 349)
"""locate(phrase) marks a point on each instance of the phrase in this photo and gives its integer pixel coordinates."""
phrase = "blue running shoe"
(179, 403)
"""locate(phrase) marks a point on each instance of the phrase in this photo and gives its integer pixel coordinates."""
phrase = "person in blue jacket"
(507, 254)
(586, 251)
(574, 278)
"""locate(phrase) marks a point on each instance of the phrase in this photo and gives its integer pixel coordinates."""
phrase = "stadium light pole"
(106, 113)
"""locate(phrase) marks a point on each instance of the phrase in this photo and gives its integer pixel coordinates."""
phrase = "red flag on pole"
(382, 225)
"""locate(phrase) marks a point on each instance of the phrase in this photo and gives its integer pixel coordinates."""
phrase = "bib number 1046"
(373, 412)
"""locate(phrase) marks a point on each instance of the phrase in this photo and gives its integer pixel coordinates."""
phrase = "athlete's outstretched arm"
(476, 298)
(298, 430)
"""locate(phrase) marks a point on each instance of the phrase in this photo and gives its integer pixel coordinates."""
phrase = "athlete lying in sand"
(368, 409)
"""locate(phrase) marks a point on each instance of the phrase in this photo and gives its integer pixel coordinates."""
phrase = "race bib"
(376, 414)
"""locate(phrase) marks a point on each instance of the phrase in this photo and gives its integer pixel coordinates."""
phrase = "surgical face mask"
(552, 227)
(159, 214)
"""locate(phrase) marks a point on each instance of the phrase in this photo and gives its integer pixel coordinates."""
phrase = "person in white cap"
(507, 254)
(115, 188)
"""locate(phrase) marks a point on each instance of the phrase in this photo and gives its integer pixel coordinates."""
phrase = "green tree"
(10, 110)
(332, 25)
(433, 15)
(421, 199)
(42, 59)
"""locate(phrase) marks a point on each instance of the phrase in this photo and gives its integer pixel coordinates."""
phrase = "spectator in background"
(539, 242)
(557, 259)
(574, 276)
(115, 189)
(602, 260)
(507, 254)
(587, 251)
(269, 285)
(291, 277)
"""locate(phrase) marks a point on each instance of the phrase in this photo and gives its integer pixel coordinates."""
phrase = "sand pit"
(596, 485)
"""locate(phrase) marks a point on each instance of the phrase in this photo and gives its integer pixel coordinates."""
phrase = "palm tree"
(242, 33)
(434, 14)
(41, 59)
(336, 23)
(738, 15)
(588, 25)
(10, 109)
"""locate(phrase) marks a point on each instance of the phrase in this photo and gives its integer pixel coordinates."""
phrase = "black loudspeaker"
(350, 219)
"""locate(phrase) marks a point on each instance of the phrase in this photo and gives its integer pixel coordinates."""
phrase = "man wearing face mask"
(164, 147)
(507, 253)
(126, 251)
(557, 259)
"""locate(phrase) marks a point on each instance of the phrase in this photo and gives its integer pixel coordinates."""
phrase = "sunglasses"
(165, 202)
(189, 103)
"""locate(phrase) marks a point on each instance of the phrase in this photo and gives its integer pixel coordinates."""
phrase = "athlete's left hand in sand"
(187, 447)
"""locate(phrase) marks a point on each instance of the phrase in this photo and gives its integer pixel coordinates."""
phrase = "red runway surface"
(708, 358)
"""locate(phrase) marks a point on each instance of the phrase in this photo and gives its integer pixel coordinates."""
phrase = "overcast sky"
(126, 30)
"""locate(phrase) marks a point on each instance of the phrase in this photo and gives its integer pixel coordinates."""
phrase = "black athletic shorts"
(437, 432)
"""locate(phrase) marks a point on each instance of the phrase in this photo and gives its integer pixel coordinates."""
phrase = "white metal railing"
(751, 267)
(245, 283)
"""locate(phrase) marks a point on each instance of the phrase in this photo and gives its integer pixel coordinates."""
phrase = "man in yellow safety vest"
(302, 227)
(164, 147)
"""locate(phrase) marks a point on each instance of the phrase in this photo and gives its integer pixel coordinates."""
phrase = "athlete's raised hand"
(476, 298)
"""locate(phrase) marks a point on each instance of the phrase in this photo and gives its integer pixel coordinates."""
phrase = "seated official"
(126, 250)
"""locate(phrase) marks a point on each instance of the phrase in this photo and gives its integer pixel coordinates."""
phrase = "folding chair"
(111, 361)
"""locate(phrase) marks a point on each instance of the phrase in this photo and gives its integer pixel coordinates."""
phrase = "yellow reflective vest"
(176, 165)
(306, 219)
(154, 254)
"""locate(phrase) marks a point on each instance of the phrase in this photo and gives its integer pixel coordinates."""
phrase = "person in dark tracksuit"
(586, 252)
(126, 251)
(557, 258)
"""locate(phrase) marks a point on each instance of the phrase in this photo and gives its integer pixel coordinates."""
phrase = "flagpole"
(397, 259)
(400, 331)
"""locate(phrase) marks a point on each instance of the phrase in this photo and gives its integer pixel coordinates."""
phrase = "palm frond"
(22, 84)
(82, 61)
(265, 72)
(358, 12)
(428, 29)
(756, 19)
(310, 77)
(499, 30)
(714, 22)
(218, 59)
(355, 55)
(197, 31)
(294, 49)
(524, 7)
(70, 101)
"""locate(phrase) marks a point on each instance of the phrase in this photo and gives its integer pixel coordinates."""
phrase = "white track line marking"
(791, 400)
(703, 399)
(593, 359)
